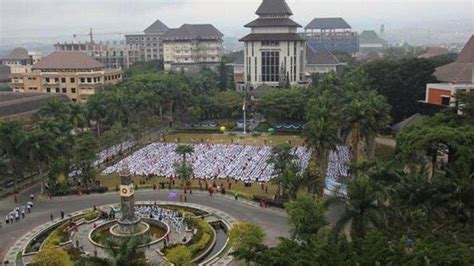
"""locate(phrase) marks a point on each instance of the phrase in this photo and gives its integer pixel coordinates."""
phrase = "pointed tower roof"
(467, 53)
(156, 27)
(461, 70)
(274, 7)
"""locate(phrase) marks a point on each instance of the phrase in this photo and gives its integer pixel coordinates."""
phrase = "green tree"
(306, 216)
(13, 143)
(363, 209)
(402, 82)
(246, 238)
(180, 256)
(127, 252)
(85, 151)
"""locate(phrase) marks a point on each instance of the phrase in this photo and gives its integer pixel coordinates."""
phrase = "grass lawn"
(112, 181)
(227, 139)
(384, 152)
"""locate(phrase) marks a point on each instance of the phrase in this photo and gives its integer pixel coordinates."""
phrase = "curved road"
(274, 222)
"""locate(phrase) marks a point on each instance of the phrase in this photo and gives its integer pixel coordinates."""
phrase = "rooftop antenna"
(91, 35)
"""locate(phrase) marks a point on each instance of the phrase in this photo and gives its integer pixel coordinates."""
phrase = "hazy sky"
(59, 19)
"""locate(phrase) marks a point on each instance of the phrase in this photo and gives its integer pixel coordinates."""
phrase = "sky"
(59, 19)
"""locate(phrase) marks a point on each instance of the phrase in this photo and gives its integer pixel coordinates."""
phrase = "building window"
(89, 80)
(73, 90)
(64, 90)
(48, 89)
(270, 43)
(83, 80)
(56, 79)
(46, 80)
(74, 100)
(270, 66)
(445, 100)
(63, 80)
(73, 80)
(57, 90)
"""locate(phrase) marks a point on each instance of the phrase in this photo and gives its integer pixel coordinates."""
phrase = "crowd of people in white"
(113, 151)
(337, 167)
(247, 163)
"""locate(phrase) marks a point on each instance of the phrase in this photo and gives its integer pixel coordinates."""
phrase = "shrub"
(256, 134)
(52, 257)
(179, 256)
(57, 236)
(202, 238)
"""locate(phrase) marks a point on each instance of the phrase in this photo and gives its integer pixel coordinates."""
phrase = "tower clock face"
(126, 190)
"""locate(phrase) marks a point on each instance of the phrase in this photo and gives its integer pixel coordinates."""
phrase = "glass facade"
(270, 66)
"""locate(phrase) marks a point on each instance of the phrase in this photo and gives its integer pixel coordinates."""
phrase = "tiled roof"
(14, 103)
(156, 27)
(68, 60)
(320, 56)
(467, 53)
(328, 23)
(272, 37)
(271, 7)
(461, 70)
(272, 22)
(370, 36)
(193, 32)
(434, 51)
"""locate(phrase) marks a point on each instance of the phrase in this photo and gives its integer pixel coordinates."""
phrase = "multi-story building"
(321, 61)
(274, 52)
(111, 55)
(74, 74)
(456, 77)
(192, 47)
(371, 43)
(332, 34)
(20, 60)
(149, 43)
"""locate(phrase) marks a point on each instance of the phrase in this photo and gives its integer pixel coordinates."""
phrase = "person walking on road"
(32, 197)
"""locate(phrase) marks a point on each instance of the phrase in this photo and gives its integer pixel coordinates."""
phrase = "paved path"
(274, 221)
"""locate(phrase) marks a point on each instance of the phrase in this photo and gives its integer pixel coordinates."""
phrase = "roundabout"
(222, 207)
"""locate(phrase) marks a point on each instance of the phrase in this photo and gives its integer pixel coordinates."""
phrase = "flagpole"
(245, 114)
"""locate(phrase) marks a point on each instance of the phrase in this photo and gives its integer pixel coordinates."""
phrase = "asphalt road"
(274, 224)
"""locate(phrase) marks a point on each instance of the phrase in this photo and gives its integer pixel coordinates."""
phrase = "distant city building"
(456, 77)
(274, 51)
(74, 74)
(149, 43)
(370, 43)
(111, 55)
(332, 34)
(192, 47)
(20, 60)
(5, 73)
(434, 51)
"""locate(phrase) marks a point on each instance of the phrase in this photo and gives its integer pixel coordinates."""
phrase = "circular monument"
(128, 225)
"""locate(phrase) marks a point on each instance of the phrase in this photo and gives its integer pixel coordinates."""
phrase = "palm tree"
(43, 150)
(282, 158)
(366, 114)
(126, 252)
(321, 134)
(76, 116)
(185, 170)
(363, 209)
(13, 143)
